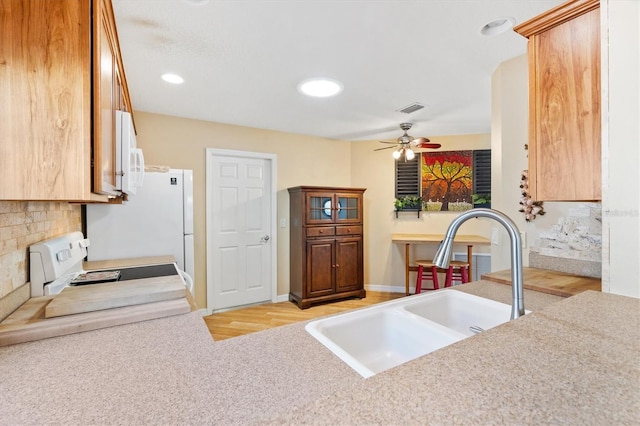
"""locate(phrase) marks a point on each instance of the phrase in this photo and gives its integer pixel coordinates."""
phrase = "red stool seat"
(458, 271)
(427, 270)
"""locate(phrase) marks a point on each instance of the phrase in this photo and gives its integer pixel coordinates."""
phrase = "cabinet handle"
(337, 266)
(321, 231)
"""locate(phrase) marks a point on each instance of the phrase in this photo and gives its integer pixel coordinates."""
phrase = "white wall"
(509, 118)
(621, 140)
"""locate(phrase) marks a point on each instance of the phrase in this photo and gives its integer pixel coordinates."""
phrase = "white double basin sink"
(380, 337)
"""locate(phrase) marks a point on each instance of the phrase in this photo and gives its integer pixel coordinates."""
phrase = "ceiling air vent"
(411, 108)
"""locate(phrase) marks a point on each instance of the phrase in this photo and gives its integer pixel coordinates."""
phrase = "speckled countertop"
(571, 362)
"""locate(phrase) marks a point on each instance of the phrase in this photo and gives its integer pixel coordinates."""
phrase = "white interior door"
(240, 228)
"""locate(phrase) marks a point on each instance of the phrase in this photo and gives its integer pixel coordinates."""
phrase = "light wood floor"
(241, 321)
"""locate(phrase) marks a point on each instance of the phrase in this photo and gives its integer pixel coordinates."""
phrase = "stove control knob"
(63, 255)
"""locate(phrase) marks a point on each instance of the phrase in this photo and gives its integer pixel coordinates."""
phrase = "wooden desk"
(408, 239)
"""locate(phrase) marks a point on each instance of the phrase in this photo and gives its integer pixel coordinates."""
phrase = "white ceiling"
(243, 59)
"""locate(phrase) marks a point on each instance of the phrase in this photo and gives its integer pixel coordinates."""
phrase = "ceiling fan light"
(409, 154)
(397, 154)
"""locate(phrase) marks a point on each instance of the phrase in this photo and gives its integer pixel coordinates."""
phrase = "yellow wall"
(374, 170)
(302, 160)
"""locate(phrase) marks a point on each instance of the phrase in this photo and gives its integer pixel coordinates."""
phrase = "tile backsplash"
(572, 245)
(23, 223)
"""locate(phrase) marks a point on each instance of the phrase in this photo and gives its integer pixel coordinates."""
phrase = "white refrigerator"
(157, 221)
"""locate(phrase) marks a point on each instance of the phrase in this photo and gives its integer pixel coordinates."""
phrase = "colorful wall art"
(447, 180)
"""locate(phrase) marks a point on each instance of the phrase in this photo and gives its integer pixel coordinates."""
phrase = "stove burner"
(126, 274)
(152, 271)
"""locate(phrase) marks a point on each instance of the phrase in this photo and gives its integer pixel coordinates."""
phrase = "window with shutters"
(482, 177)
(408, 174)
(408, 177)
(482, 171)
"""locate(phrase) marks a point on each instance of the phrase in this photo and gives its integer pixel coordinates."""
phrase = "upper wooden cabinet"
(110, 94)
(327, 207)
(564, 102)
(62, 79)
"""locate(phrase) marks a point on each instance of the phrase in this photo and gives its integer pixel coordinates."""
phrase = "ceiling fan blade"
(388, 142)
(429, 145)
(386, 147)
(418, 142)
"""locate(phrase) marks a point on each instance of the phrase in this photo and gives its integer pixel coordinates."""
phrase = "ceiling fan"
(405, 144)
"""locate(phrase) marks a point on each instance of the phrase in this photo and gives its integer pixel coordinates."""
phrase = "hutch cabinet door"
(349, 207)
(320, 207)
(333, 208)
(320, 267)
(348, 264)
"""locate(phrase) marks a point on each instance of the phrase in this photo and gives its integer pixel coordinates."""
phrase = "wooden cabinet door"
(349, 207)
(567, 114)
(329, 207)
(105, 100)
(58, 86)
(45, 100)
(564, 102)
(320, 208)
(349, 274)
(320, 267)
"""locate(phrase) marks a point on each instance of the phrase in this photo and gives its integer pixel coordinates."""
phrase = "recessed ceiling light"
(320, 87)
(172, 78)
(498, 26)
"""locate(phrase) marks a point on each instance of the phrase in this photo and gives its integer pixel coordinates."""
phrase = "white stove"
(56, 262)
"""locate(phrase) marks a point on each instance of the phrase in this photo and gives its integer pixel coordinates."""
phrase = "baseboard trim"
(279, 298)
(389, 288)
(282, 298)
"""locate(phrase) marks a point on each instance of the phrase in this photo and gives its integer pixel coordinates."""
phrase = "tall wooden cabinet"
(326, 244)
(61, 79)
(564, 102)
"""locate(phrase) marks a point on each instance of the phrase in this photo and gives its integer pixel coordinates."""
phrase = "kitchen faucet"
(443, 255)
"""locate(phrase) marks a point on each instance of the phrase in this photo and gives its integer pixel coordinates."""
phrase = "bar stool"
(458, 271)
(427, 270)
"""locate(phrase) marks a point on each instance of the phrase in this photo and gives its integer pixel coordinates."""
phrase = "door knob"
(264, 239)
